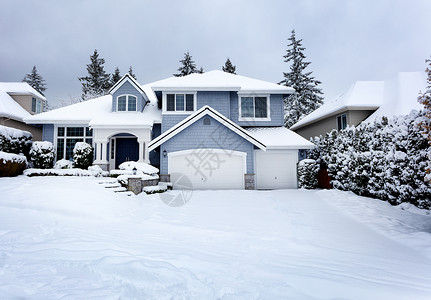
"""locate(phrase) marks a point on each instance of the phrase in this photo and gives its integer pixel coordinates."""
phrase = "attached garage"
(208, 168)
(276, 169)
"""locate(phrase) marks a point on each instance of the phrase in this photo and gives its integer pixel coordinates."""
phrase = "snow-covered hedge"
(42, 155)
(14, 140)
(92, 171)
(11, 164)
(82, 155)
(307, 173)
(63, 164)
(385, 160)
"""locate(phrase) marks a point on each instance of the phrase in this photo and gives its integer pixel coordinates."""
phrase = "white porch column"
(142, 149)
(104, 160)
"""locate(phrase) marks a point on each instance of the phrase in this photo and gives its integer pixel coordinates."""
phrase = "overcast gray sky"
(345, 41)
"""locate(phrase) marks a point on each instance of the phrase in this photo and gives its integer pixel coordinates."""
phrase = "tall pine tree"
(188, 66)
(97, 83)
(425, 122)
(306, 97)
(131, 73)
(115, 77)
(229, 67)
(36, 81)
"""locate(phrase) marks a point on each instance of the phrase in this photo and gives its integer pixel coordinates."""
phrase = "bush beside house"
(307, 173)
(14, 147)
(42, 155)
(82, 155)
(386, 160)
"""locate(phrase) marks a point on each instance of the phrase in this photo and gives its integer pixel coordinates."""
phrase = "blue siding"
(170, 120)
(129, 89)
(48, 133)
(276, 106)
(216, 136)
(220, 101)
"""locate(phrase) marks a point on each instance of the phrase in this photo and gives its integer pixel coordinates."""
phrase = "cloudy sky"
(345, 41)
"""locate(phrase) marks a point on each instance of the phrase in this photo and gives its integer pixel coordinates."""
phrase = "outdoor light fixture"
(134, 170)
(164, 153)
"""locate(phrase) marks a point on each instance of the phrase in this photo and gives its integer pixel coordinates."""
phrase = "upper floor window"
(342, 122)
(127, 103)
(254, 108)
(180, 102)
(36, 105)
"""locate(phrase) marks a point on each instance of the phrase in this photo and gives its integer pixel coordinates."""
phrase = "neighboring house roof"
(9, 108)
(204, 111)
(279, 138)
(97, 112)
(394, 96)
(219, 81)
(20, 88)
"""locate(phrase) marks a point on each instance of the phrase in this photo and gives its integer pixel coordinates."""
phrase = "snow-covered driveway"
(71, 238)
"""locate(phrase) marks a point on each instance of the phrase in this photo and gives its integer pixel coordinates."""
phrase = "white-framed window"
(127, 103)
(36, 105)
(341, 122)
(254, 108)
(179, 103)
(67, 137)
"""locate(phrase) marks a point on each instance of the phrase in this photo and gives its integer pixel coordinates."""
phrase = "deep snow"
(69, 237)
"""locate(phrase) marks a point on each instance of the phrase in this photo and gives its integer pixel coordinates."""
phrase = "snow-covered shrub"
(97, 171)
(307, 173)
(140, 166)
(386, 159)
(42, 155)
(63, 164)
(82, 155)
(11, 164)
(14, 140)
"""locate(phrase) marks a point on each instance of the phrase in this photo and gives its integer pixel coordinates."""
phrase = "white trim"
(206, 110)
(131, 80)
(268, 107)
(127, 103)
(181, 112)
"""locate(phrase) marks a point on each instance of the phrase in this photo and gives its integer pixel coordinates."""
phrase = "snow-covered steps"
(119, 189)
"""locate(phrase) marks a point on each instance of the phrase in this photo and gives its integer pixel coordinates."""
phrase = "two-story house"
(209, 131)
(18, 100)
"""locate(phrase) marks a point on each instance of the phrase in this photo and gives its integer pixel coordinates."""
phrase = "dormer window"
(179, 103)
(36, 105)
(126, 103)
(254, 108)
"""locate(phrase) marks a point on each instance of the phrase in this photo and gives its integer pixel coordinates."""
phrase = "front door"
(127, 149)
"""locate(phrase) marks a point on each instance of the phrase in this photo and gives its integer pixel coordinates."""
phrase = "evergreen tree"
(131, 73)
(228, 67)
(115, 77)
(200, 71)
(188, 66)
(97, 83)
(306, 97)
(35, 80)
(425, 122)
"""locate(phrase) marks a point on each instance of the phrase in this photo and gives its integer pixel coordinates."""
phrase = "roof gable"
(204, 111)
(125, 78)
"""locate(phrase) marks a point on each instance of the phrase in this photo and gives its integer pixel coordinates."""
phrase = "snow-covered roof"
(20, 88)
(394, 96)
(97, 112)
(279, 138)
(9, 108)
(218, 80)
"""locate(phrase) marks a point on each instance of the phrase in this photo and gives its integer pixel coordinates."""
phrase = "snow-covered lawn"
(69, 237)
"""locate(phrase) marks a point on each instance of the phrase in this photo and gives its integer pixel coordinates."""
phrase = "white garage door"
(276, 169)
(208, 168)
